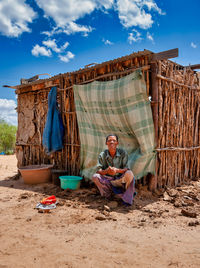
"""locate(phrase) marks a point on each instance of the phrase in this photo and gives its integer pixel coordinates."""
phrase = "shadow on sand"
(87, 195)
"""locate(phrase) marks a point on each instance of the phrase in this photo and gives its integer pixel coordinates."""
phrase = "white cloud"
(66, 44)
(40, 50)
(133, 13)
(52, 44)
(150, 37)
(52, 32)
(107, 42)
(66, 58)
(7, 111)
(15, 15)
(105, 3)
(70, 28)
(193, 45)
(73, 27)
(135, 36)
(65, 13)
(151, 5)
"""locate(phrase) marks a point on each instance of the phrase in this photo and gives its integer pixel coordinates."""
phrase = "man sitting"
(113, 174)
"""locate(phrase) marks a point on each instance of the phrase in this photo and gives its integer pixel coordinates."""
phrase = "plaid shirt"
(120, 160)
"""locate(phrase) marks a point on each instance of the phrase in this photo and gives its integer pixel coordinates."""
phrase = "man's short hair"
(112, 135)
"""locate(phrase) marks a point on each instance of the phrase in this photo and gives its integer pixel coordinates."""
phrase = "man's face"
(112, 143)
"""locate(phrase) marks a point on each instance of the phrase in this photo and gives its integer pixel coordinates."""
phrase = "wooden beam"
(29, 80)
(193, 67)
(177, 83)
(164, 55)
(144, 68)
(154, 94)
(10, 86)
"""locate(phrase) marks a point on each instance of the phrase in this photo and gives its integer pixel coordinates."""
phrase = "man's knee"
(95, 178)
(128, 178)
(129, 174)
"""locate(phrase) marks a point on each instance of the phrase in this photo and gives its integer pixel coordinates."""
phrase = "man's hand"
(112, 171)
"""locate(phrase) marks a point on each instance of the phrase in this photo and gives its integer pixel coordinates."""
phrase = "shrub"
(7, 137)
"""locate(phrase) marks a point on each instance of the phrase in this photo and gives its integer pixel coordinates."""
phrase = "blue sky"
(51, 36)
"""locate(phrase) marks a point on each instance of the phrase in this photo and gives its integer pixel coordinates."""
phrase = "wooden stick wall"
(178, 150)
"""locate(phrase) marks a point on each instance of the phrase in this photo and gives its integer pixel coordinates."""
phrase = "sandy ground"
(87, 231)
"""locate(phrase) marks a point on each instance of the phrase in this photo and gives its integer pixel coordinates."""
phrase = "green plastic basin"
(70, 182)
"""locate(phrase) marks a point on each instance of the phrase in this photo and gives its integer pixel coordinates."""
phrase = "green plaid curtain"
(121, 107)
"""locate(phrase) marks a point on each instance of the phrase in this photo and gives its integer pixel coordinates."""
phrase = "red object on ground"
(48, 200)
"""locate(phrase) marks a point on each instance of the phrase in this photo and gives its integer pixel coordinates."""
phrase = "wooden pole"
(154, 95)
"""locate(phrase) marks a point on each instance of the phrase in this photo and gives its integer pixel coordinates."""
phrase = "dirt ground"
(85, 230)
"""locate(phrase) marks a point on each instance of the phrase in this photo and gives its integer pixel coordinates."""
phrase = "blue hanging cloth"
(54, 129)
